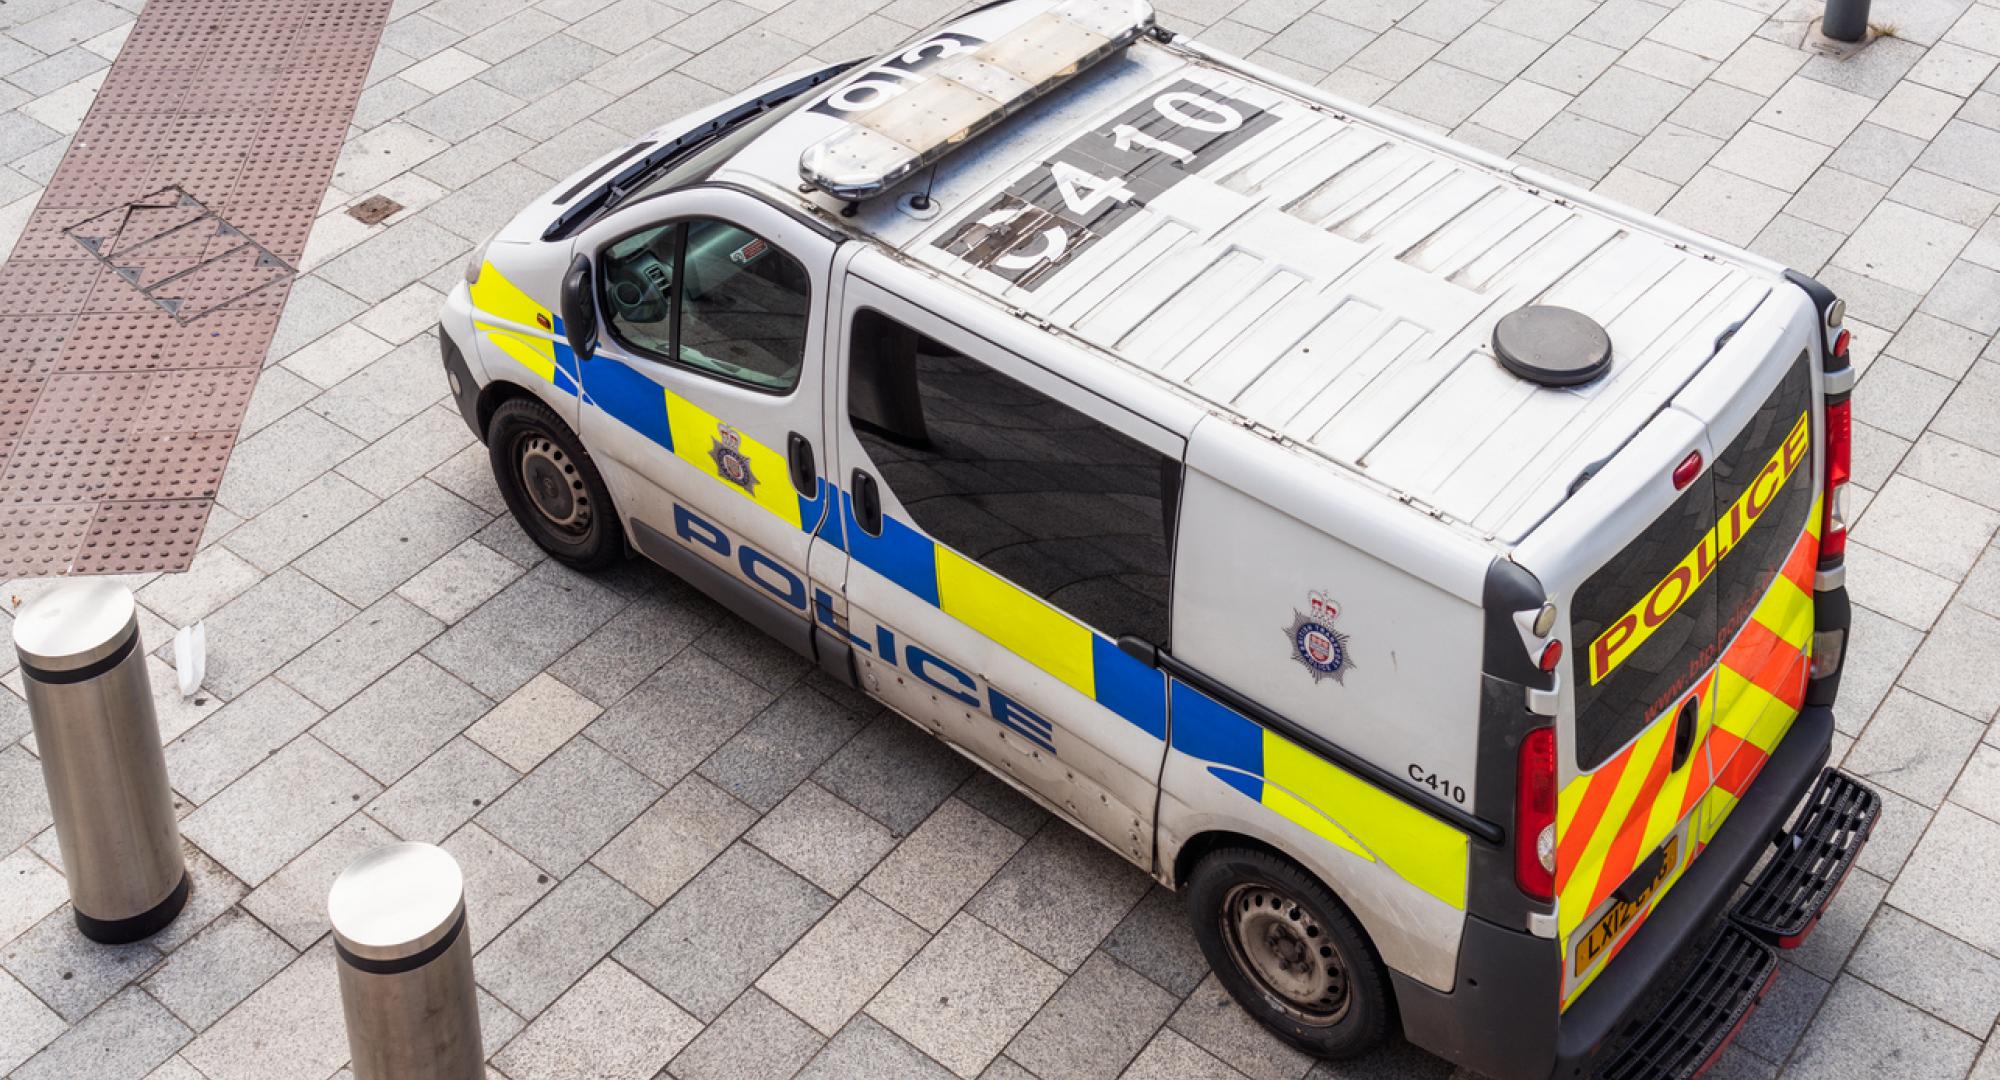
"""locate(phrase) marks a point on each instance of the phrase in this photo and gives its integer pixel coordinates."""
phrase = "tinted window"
(1041, 494)
(712, 297)
(1618, 692)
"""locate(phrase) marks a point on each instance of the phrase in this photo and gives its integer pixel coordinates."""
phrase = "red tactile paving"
(142, 295)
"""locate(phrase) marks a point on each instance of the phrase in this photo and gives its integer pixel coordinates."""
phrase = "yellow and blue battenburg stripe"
(1286, 779)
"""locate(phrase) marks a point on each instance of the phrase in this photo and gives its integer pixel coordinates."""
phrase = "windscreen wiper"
(666, 154)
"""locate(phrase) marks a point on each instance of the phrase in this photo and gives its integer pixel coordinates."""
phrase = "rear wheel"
(1288, 952)
(552, 486)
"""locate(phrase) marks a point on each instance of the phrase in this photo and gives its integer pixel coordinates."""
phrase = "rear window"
(1653, 620)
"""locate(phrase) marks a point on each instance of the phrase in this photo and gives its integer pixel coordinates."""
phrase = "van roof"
(1324, 275)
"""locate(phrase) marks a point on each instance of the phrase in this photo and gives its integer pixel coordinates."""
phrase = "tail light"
(1535, 815)
(1839, 466)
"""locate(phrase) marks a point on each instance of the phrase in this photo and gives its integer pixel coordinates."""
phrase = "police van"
(1431, 570)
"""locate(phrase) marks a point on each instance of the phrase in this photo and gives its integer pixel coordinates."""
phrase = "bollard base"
(140, 926)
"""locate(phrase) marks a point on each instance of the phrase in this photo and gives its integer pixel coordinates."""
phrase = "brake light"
(1687, 470)
(1839, 466)
(1535, 815)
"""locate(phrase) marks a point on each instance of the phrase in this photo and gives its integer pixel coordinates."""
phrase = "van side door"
(1004, 528)
(704, 402)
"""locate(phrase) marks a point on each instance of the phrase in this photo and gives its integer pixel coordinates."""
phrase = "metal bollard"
(1846, 20)
(406, 985)
(84, 671)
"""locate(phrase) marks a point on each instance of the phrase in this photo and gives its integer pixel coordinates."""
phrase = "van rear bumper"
(1496, 1020)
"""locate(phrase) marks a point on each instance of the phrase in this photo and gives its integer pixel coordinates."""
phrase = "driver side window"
(706, 295)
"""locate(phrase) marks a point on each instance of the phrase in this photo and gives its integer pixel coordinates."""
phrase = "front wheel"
(552, 486)
(1289, 952)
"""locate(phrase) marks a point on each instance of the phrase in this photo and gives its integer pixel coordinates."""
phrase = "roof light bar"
(969, 92)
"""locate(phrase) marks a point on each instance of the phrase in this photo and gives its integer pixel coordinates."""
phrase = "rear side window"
(1040, 493)
(1762, 469)
(1620, 688)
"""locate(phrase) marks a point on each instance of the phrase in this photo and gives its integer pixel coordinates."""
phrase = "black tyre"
(552, 486)
(1289, 952)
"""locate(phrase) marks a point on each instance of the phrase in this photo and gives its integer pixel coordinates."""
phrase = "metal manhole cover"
(180, 254)
(374, 210)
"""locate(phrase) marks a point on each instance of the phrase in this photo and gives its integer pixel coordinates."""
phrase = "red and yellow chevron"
(1609, 821)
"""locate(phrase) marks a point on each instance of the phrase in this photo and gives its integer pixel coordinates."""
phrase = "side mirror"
(579, 309)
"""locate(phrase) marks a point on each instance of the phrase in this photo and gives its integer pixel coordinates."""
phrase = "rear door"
(1763, 415)
(1642, 634)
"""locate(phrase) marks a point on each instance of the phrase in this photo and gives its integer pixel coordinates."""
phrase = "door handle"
(867, 503)
(1684, 727)
(805, 474)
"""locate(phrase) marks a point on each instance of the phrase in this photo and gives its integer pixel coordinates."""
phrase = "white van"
(1431, 570)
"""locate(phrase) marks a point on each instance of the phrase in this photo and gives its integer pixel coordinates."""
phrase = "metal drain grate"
(142, 294)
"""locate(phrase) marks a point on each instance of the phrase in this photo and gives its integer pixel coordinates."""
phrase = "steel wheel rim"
(1282, 947)
(553, 485)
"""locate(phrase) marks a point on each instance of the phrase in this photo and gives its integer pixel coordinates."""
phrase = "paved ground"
(691, 857)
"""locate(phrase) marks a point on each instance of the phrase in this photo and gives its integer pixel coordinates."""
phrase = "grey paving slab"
(125, 1040)
(218, 968)
(1060, 896)
(316, 790)
(264, 628)
(895, 772)
(842, 961)
(723, 929)
(569, 806)
(369, 646)
(499, 883)
(780, 747)
(1781, 1018)
(29, 889)
(26, 1024)
(942, 864)
(678, 716)
(291, 1026)
(611, 1025)
(1171, 1057)
(821, 838)
(1095, 1025)
(69, 971)
(965, 995)
(432, 800)
(619, 655)
(554, 943)
(507, 640)
(1213, 1021)
(1945, 880)
(1863, 1032)
(300, 520)
(1154, 939)
(422, 443)
(454, 585)
(209, 757)
(865, 1047)
(1930, 969)
(24, 802)
(754, 1037)
(665, 847)
(292, 902)
(1914, 746)
(403, 718)
(1933, 529)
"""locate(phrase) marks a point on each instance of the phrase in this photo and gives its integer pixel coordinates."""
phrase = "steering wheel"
(637, 294)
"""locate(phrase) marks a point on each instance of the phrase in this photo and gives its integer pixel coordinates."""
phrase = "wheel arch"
(495, 394)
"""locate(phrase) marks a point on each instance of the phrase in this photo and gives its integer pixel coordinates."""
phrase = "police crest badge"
(730, 461)
(1315, 643)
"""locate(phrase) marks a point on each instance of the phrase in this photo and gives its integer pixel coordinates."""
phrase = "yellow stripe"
(696, 432)
(1715, 808)
(1018, 621)
(1420, 849)
(1583, 881)
(538, 357)
(1787, 611)
(1741, 707)
(502, 299)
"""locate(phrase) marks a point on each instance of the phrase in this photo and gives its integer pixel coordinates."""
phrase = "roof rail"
(973, 88)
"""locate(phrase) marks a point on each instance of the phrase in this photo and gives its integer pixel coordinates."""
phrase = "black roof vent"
(1553, 346)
